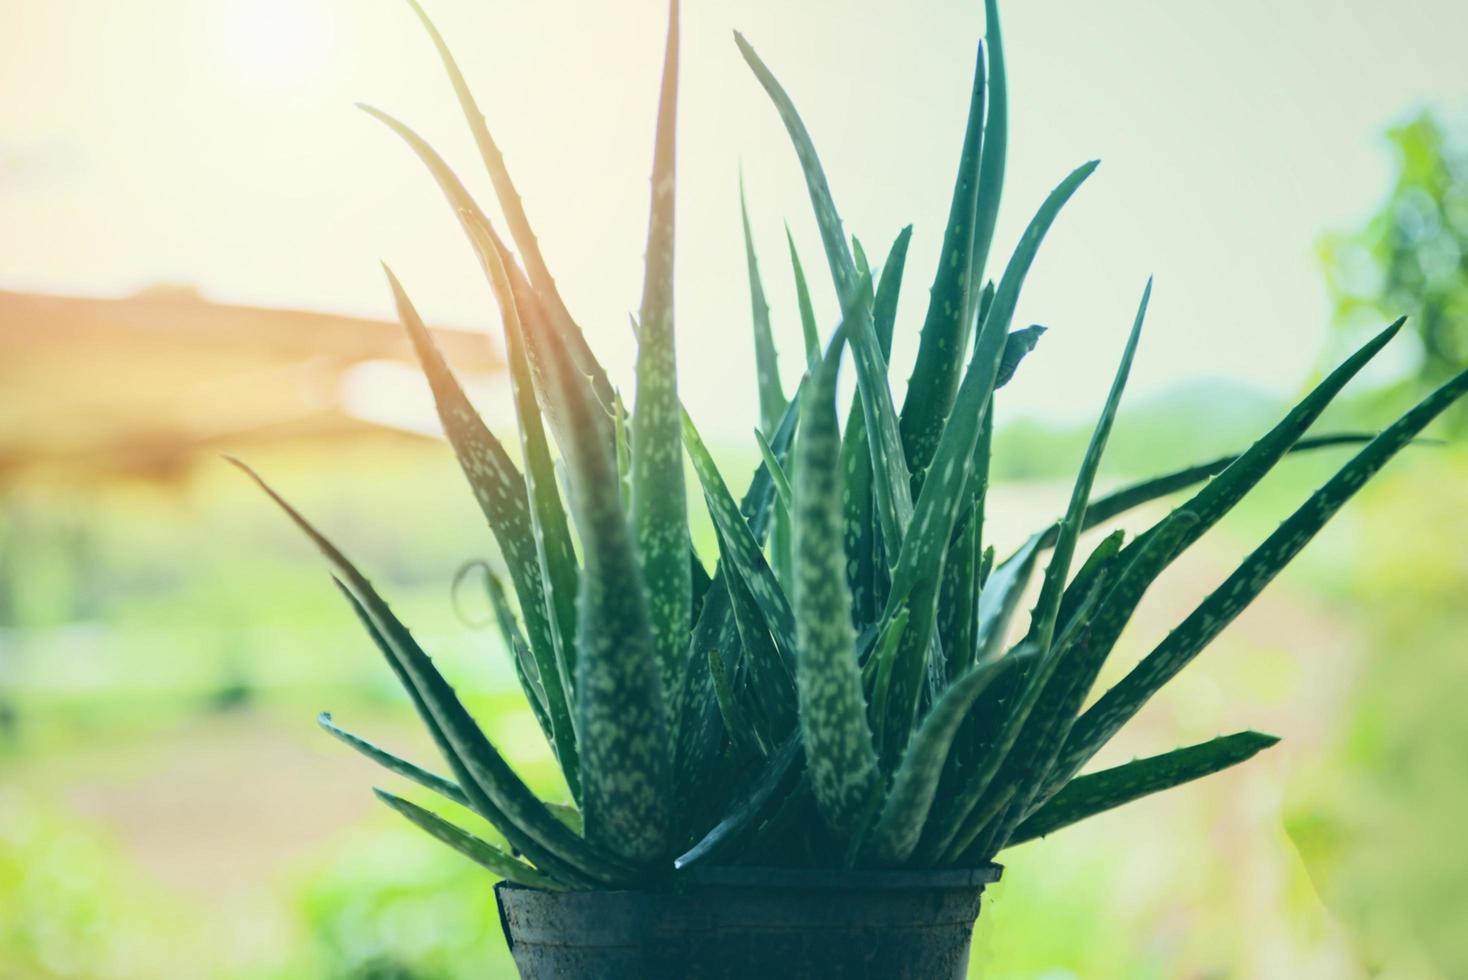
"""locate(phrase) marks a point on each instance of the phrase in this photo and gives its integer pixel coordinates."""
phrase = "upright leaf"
(866, 567)
(840, 757)
(625, 772)
(1047, 610)
(767, 370)
(659, 499)
(807, 312)
(996, 145)
(946, 328)
(889, 464)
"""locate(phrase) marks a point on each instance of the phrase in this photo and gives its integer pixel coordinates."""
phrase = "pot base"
(766, 924)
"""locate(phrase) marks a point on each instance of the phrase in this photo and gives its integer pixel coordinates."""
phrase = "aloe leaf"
(946, 328)
(521, 658)
(698, 778)
(770, 676)
(519, 839)
(916, 783)
(996, 144)
(518, 650)
(623, 443)
(1217, 497)
(495, 258)
(767, 373)
(478, 767)
(807, 312)
(1016, 752)
(1000, 597)
(1119, 501)
(958, 596)
(659, 498)
(716, 624)
(1098, 568)
(1220, 608)
(774, 783)
(558, 569)
(919, 565)
(972, 784)
(741, 549)
(983, 552)
(501, 492)
(625, 770)
(1101, 791)
(883, 658)
(1018, 344)
(476, 849)
(777, 472)
(515, 217)
(866, 567)
(840, 756)
(1083, 659)
(741, 730)
(1098, 604)
(1047, 610)
(698, 783)
(889, 463)
(441, 785)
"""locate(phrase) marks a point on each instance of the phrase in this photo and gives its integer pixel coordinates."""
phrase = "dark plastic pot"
(756, 923)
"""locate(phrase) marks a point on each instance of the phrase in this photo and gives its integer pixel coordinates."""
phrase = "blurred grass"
(168, 808)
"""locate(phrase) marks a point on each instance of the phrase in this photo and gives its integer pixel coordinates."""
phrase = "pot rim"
(810, 879)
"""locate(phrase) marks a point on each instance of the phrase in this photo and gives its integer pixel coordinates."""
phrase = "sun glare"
(279, 43)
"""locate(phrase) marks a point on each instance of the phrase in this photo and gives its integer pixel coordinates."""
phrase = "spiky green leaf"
(1110, 788)
(625, 766)
(441, 785)
(946, 328)
(1220, 608)
(497, 793)
(659, 499)
(840, 756)
(476, 849)
(558, 317)
(913, 787)
(1047, 610)
(889, 464)
(502, 495)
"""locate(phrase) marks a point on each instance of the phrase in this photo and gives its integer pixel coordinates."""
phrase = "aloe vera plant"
(853, 684)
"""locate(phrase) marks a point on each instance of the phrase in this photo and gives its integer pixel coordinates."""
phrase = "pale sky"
(214, 142)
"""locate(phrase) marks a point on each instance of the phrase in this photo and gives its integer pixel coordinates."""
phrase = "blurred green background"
(168, 807)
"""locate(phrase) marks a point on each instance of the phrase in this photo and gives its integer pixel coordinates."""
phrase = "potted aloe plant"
(803, 762)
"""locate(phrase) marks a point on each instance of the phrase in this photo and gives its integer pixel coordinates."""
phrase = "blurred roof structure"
(143, 385)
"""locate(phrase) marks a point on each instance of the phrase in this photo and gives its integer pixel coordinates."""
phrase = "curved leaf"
(916, 782)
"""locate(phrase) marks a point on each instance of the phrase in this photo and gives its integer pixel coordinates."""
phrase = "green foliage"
(1411, 256)
(846, 686)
